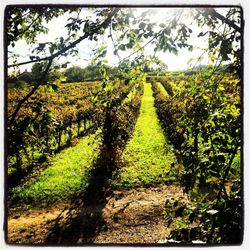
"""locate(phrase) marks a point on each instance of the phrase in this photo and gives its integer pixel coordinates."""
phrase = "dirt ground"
(129, 216)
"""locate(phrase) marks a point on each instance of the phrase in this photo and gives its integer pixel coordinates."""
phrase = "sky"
(174, 62)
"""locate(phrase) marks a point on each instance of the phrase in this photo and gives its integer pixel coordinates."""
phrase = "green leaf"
(122, 47)
(212, 179)
(142, 25)
(221, 88)
(49, 114)
(51, 50)
(181, 224)
(48, 89)
(30, 127)
(206, 97)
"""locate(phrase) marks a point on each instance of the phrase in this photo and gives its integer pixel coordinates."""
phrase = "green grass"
(147, 156)
(162, 89)
(37, 152)
(66, 175)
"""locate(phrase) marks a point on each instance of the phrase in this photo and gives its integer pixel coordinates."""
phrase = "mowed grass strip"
(162, 89)
(147, 157)
(66, 175)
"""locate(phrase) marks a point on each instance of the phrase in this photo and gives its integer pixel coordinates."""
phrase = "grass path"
(66, 175)
(162, 89)
(148, 156)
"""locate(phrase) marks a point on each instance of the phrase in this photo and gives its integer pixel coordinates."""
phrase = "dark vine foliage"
(119, 124)
(202, 121)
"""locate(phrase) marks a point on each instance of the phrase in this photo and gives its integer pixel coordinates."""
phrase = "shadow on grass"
(82, 221)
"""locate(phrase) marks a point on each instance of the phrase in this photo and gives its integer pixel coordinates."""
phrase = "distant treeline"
(89, 73)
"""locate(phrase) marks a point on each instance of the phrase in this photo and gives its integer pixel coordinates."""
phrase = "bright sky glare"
(174, 62)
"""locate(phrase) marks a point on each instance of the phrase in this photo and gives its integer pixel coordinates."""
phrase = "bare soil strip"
(129, 217)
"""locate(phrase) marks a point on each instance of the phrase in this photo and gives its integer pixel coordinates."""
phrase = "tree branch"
(111, 36)
(26, 29)
(104, 25)
(225, 20)
(228, 169)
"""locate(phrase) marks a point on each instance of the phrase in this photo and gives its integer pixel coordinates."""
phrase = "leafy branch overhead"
(170, 34)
